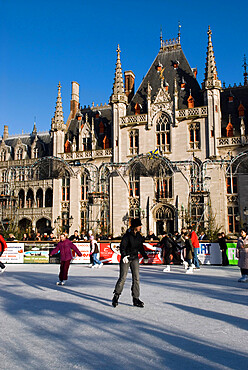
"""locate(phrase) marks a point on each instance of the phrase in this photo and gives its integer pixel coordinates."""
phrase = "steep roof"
(230, 100)
(167, 57)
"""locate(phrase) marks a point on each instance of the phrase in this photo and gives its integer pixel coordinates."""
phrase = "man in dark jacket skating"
(131, 245)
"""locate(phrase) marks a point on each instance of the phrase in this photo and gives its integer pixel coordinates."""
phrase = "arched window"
(30, 198)
(21, 198)
(39, 198)
(19, 154)
(36, 152)
(84, 186)
(163, 133)
(49, 198)
(66, 189)
(163, 188)
(3, 155)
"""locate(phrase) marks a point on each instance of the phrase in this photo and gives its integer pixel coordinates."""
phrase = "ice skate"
(101, 264)
(189, 270)
(2, 270)
(60, 283)
(243, 279)
(138, 303)
(185, 265)
(115, 300)
(166, 269)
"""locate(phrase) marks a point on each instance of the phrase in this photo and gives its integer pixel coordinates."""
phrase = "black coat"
(132, 244)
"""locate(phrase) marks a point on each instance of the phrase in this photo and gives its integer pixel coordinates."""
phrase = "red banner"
(110, 253)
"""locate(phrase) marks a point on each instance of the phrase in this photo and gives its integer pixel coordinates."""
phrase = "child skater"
(65, 246)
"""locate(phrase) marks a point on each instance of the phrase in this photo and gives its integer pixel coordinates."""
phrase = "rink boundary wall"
(39, 252)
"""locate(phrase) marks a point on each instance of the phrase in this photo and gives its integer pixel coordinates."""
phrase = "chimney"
(129, 84)
(5, 132)
(74, 99)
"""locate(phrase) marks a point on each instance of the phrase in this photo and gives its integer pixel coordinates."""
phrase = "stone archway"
(164, 216)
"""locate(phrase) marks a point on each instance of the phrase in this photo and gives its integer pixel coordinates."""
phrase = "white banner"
(210, 254)
(13, 254)
(85, 250)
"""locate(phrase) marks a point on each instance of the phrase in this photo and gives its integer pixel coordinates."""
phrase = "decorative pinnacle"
(118, 87)
(58, 115)
(179, 32)
(210, 69)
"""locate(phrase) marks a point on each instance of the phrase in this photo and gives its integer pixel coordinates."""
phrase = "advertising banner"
(210, 254)
(231, 253)
(36, 256)
(85, 250)
(14, 253)
(110, 253)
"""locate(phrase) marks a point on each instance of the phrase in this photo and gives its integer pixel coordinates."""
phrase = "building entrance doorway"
(165, 219)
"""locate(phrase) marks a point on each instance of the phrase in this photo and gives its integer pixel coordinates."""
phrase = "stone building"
(170, 153)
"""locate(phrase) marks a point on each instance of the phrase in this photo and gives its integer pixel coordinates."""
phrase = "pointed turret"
(58, 119)
(245, 72)
(118, 95)
(34, 132)
(58, 127)
(119, 101)
(211, 80)
(212, 86)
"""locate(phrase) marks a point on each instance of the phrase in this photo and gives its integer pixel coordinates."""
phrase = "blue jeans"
(195, 258)
(95, 259)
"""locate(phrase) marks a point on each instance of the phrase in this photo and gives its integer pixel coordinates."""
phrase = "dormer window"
(137, 108)
(36, 152)
(3, 155)
(19, 154)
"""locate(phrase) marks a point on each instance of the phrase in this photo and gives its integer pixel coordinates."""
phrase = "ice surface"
(197, 321)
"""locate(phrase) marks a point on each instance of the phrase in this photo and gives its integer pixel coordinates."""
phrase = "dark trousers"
(167, 255)
(64, 267)
(244, 271)
(134, 266)
(225, 261)
(2, 265)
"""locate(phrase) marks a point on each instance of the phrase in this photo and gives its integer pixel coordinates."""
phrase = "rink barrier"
(39, 252)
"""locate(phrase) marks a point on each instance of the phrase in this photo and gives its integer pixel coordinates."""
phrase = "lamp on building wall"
(57, 221)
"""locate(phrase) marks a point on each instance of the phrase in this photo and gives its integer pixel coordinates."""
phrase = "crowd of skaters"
(179, 248)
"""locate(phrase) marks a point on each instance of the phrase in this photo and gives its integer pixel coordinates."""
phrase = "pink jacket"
(65, 250)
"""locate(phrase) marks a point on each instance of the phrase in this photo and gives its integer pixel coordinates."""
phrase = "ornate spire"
(34, 132)
(118, 87)
(245, 71)
(211, 80)
(58, 119)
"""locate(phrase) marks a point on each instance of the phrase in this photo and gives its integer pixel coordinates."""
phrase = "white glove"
(146, 260)
(125, 259)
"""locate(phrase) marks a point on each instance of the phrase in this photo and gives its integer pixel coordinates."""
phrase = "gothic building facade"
(171, 153)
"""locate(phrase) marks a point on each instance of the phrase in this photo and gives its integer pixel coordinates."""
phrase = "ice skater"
(65, 246)
(3, 246)
(131, 245)
(242, 254)
(94, 250)
(189, 253)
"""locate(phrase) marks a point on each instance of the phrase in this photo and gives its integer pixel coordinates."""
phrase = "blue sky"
(44, 42)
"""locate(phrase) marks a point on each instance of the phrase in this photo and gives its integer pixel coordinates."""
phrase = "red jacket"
(194, 240)
(3, 244)
(65, 250)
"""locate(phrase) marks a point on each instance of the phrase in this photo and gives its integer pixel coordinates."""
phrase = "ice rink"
(197, 321)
